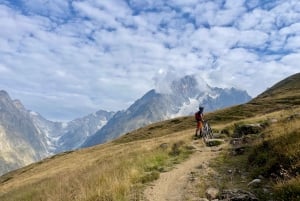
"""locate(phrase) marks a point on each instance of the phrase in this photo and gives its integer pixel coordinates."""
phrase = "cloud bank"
(66, 59)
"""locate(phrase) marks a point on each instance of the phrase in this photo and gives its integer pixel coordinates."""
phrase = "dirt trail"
(175, 185)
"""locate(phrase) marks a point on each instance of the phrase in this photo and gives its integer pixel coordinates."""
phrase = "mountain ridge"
(119, 169)
(183, 99)
(56, 137)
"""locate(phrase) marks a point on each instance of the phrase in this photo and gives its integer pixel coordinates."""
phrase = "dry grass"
(158, 129)
(106, 172)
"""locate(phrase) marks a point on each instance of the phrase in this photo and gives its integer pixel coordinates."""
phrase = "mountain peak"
(188, 80)
(187, 86)
(4, 94)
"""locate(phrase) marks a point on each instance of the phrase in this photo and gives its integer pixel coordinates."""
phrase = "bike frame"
(207, 131)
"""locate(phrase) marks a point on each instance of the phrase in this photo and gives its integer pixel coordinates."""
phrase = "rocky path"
(177, 184)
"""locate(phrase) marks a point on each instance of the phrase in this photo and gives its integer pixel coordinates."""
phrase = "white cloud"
(252, 38)
(291, 60)
(106, 54)
(233, 10)
(205, 13)
(54, 9)
(293, 43)
(163, 80)
(4, 69)
(252, 19)
(101, 16)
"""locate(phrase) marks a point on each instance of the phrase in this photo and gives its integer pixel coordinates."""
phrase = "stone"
(247, 129)
(254, 183)
(214, 142)
(273, 121)
(164, 146)
(202, 199)
(212, 193)
(237, 195)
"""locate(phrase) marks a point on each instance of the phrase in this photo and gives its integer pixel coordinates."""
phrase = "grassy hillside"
(119, 170)
(272, 155)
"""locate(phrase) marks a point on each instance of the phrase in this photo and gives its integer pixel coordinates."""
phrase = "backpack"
(198, 116)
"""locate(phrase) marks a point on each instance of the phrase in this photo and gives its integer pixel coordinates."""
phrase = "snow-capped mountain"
(77, 131)
(70, 135)
(183, 98)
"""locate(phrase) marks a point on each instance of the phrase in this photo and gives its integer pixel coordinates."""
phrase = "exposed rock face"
(26, 137)
(20, 141)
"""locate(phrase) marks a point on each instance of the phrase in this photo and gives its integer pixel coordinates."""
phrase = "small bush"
(149, 176)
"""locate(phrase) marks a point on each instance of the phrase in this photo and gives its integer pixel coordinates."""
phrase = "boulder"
(212, 193)
(237, 195)
(247, 129)
(213, 142)
(255, 183)
(164, 146)
(241, 140)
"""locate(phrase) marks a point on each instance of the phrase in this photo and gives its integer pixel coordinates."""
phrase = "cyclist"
(200, 119)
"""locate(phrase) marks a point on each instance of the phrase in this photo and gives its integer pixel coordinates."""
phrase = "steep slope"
(183, 99)
(20, 142)
(285, 93)
(52, 131)
(118, 170)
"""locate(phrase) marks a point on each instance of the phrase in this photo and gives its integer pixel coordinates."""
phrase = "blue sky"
(68, 58)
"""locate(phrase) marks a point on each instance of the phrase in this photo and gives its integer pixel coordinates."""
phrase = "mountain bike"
(207, 132)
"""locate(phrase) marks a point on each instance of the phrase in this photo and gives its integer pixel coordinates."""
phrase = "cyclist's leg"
(201, 129)
(197, 129)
